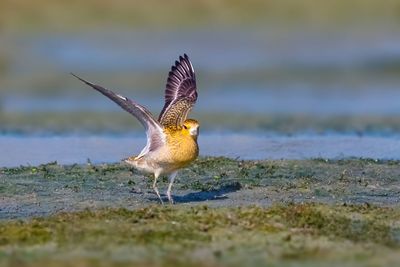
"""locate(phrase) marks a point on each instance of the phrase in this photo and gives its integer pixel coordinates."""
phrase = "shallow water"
(26, 150)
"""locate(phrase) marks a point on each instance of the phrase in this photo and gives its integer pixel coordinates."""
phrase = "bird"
(172, 138)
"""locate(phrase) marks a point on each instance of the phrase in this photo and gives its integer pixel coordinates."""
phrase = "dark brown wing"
(154, 131)
(180, 93)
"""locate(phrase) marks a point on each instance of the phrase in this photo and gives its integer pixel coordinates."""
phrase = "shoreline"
(36, 150)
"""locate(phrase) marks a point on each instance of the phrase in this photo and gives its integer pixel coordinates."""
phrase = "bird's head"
(192, 127)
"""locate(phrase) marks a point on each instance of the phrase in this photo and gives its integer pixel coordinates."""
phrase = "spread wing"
(180, 93)
(154, 131)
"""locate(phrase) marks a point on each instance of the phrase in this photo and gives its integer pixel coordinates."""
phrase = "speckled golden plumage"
(183, 147)
(180, 150)
(172, 139)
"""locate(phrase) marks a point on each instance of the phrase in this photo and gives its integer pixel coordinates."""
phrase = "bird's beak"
(194, 131)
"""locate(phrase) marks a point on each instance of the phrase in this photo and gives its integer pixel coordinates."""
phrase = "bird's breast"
(183, 148)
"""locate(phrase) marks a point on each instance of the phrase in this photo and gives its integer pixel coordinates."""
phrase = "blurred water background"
(265, 68)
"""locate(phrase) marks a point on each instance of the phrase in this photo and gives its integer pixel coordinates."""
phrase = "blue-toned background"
(265, 68)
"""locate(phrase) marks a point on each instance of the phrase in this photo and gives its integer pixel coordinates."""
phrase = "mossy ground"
(46, 189)
(229, 213)
(282, 235)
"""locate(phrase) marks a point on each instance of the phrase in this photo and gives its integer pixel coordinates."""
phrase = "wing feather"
(154, 131)
(180, 93)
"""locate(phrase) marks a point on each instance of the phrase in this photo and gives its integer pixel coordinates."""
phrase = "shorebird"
(172, 139)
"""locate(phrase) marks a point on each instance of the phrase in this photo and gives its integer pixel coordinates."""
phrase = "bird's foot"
(159, 197)
(170, 199)
(157, 192)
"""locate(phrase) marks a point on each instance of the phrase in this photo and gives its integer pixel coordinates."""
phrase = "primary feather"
(154, 131)
(180, 93)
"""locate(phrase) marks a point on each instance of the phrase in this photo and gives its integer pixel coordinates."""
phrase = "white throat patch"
(194, 131)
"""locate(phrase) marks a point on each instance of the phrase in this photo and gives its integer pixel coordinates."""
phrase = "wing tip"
(180, 71)
(73, 74)
(186, 57)
(184, 60)
(81, 79)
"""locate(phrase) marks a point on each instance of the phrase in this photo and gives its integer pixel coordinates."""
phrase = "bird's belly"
(184, 153)
(177, 156)
(168, 158)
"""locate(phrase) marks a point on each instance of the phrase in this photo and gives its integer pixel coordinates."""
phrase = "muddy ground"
(218, 182)
(227, 213)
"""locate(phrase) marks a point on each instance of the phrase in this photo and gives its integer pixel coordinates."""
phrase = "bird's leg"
(155, 187)
(171, 181)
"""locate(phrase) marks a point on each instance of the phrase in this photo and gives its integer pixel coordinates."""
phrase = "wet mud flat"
(228, 213)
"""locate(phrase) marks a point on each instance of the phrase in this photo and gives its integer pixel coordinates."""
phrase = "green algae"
(249, 235)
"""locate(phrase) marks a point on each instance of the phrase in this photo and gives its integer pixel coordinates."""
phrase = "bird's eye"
(185, 127)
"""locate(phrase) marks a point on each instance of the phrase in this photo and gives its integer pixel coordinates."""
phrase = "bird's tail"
(130, 159)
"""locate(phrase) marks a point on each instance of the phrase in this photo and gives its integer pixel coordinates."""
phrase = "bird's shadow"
(216, 194)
